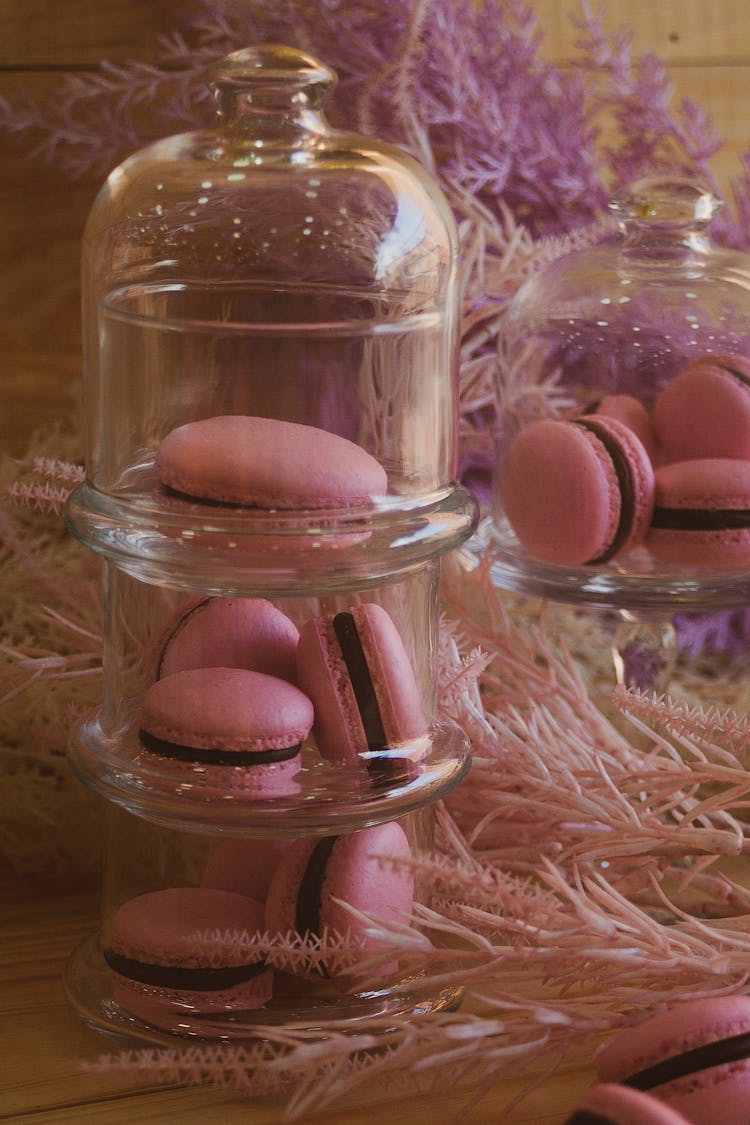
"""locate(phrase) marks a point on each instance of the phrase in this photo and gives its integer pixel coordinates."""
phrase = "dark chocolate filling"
(700, 519)
(723, 1051)
(307, 918)
(204, 979)
(585, 1117)
(184, 618)
(737, 374)
(382, 770)
(627, 491)
(345, 628)
(212, 756)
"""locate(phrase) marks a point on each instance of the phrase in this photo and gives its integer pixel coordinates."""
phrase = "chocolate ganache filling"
(382, 769)
(734, 1049)
(624, 476)
(307, 918)
(700, 519)
(345, 628)
(737, 374)
(203, 979)
(214, 756)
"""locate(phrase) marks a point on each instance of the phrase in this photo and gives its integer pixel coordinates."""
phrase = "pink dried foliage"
(463, 86)
(572, 891)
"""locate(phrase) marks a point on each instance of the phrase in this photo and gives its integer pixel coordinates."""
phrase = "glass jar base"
(252, 552)
(635, 582)
(320, 799)
(89, 990)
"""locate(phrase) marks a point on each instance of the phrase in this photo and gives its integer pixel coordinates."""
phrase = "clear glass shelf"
(636, 582)
(322, 800)
(89, 990)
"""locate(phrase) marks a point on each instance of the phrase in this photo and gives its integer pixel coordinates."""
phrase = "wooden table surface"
(41, 217)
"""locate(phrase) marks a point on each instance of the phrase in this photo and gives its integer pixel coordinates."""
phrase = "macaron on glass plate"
(162, 967)
(237, 500)
(319, 797)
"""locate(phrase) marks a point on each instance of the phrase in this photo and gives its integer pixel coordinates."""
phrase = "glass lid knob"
(665, 202)
(268, 78)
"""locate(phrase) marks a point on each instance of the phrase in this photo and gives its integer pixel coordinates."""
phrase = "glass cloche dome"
(271, 267)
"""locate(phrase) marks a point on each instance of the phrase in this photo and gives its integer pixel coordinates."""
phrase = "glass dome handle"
(269, 80)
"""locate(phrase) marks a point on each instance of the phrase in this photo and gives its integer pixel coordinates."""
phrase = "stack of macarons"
(236, 689)
(167, 971)
(686, 1065)
(587, 488)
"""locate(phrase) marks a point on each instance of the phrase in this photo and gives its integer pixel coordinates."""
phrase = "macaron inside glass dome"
(701, 514)
(631, 412)
(705, 410)
(167, 971)
(578, 491)
(267, 463)
(219, 632)
(229, 727)
(321, 886)
(368, 710)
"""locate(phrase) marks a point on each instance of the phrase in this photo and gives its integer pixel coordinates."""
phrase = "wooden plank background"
(42, 211)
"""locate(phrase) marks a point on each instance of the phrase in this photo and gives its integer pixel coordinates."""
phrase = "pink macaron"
(578, 491)
(610, 1104)
(702, 513)
(217, 632)
(632, 413)
(368, 710)
(694, 1056)
(164, 977)
(705, 410)
(246, 725)
(316, 880)
(244, 866)
(267, 463)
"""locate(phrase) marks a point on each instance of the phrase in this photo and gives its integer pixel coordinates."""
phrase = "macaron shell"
(561, 491)
(707, 485)
(353, 874)
(715, 1094)
(324, 678)
(190, 1013)
(392, 674)
(618, 1105)
(220, 632)
(244, 866)
(323, 674)
(267, 463)
(631, 413)
(705, 410)
(281, 900)
(153, 927)
(226, 709)
(357, 875)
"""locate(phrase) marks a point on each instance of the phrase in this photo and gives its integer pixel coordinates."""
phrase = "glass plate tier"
(635, 582)
(321, 799)
(244, 551)
(296, 1004)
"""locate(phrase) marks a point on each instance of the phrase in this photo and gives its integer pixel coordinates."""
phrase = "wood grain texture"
(683, 32)
(70, 34)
